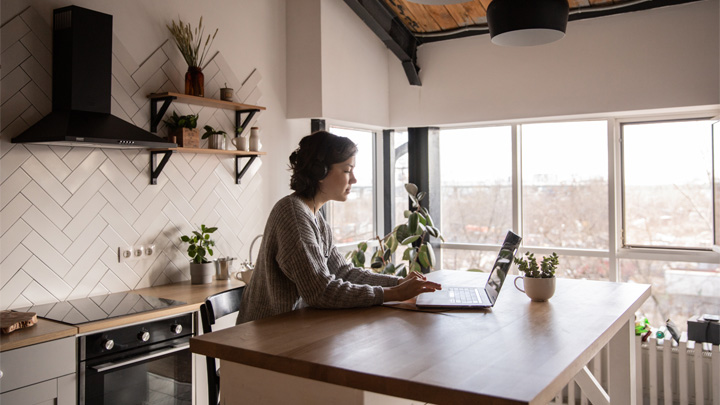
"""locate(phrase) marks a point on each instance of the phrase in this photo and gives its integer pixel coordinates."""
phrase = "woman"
(298, 264)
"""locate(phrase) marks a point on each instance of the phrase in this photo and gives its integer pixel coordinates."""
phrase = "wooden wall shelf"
(157, 115)
(157, 167)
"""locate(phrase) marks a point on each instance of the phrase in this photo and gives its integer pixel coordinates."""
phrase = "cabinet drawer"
(37, 363)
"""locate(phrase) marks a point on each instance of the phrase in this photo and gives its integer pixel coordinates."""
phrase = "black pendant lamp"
(527, 22)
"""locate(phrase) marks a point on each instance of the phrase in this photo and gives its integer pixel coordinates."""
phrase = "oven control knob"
(108, 344)
(176, 329)
(144, 336)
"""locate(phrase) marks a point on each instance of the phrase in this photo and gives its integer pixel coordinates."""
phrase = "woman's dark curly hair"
(311, 161)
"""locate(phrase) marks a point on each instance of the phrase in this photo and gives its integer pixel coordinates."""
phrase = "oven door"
(156, 374)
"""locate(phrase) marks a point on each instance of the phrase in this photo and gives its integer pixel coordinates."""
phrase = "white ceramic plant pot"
(201, 273)
(538, 289)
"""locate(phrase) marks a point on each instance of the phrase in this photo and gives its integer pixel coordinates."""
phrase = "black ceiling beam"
(392, 32)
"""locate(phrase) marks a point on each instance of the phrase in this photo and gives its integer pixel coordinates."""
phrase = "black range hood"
(82, 77)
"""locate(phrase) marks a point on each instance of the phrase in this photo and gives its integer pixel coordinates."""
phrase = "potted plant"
(538, 281)
(184, 129)
(200, 245)
(414, 235)
(216, 137)
(190, 43)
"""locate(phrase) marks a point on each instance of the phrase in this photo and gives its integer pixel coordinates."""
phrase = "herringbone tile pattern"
(65, 211)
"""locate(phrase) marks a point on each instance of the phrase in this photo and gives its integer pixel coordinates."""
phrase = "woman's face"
(336, 185)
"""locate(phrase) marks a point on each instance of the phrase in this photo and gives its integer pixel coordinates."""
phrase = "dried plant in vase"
(190, 43)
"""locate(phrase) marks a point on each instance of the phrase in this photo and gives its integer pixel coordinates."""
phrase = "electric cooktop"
(84, 310)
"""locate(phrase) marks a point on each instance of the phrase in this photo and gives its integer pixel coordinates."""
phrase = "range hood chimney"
(82, 77)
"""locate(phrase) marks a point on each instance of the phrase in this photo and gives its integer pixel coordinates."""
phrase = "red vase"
(195, 82)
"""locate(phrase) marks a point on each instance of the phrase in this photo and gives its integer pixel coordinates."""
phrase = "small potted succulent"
(200, 245)
(538, 280)
(216, 138)
(183, 128)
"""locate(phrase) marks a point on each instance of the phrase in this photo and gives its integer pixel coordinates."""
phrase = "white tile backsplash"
(64, 211)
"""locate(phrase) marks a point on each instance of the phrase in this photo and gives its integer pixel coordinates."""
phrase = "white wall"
(660, 58)
(65, 211)
(337, 67)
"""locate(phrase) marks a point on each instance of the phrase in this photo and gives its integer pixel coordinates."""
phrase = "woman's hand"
(409, 287)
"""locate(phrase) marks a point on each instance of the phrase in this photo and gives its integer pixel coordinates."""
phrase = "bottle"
(255, 144)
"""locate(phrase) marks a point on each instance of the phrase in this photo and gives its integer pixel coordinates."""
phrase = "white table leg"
(622, 384)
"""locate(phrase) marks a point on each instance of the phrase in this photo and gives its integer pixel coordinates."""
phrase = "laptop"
(476, 296)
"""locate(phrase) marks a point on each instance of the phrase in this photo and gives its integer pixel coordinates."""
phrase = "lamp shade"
(527, 22)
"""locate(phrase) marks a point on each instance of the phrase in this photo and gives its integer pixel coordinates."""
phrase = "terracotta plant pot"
(538, 289)
(201, 273)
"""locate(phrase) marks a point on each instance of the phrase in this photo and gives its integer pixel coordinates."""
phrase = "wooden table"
(519, 352)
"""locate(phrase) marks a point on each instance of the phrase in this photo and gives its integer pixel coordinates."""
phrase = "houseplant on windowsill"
(190, 43)
(184, 129)
(539, 281)
(200, 245)
(216, 138)
(414, 234)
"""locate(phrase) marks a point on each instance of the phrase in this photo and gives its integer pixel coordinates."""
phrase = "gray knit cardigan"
(299, 265)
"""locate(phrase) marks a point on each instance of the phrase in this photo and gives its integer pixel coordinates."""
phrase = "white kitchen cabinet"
(44, 373)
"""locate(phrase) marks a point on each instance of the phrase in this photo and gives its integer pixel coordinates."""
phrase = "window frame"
(616, 250)
(377, 179)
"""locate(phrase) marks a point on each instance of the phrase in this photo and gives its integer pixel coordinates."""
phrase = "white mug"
(537, 289)
(241, 143)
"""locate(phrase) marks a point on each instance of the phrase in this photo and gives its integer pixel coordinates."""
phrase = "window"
(565, 184)
(353, 221)
(401, 176)
(667, 179)
(476, 184)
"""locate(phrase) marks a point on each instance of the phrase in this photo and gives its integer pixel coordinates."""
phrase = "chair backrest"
(216, 306)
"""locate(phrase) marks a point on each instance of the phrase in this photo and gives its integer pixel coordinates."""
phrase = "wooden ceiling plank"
(407, 18)
(442, 17)
(422, 16)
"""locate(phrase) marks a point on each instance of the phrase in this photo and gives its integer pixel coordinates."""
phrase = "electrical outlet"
(125, 253)
(139, 252)
(149, 250)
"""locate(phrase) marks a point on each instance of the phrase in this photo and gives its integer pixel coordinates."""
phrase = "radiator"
(686, 373)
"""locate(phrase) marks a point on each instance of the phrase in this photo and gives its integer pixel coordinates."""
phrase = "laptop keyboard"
(460, 295)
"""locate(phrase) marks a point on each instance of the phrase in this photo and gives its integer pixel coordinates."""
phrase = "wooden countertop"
(43, 331)
(192, 294)
(518, 352)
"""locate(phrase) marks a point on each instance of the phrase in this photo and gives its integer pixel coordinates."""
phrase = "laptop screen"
(502, 265)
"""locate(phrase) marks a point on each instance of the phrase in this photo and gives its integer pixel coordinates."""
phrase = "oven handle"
(113, 365)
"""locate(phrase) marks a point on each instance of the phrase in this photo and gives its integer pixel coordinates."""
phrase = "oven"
(144, 364)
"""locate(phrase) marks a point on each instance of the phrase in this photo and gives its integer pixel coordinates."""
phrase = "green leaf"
(184, 238)
(432, 231)
(421, 218)
(402, 232)
(420, 229)
(415, 267)
(389, 269)
(400, 270)
(392, 243)
(410, 239)
(421, 195)
(475, 270)
(411, 189)
(210, 251)
(200, 251)
(413, 222)
(211, 230)
(387, 255)
(362, 246)
(431, 255)
(360, 258)
(423, 256)
(376, 265)
(407, 213)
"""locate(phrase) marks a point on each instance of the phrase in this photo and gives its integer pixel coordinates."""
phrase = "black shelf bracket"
(238, 117)
(240, 173)
(157, 116)
(155, 168)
